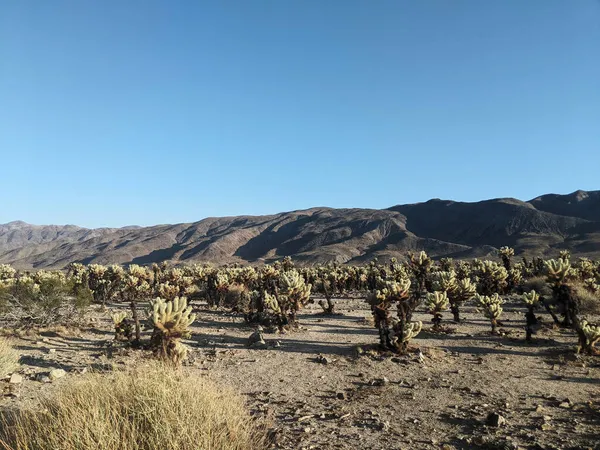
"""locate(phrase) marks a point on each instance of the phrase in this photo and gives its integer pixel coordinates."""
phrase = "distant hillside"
(542, 226)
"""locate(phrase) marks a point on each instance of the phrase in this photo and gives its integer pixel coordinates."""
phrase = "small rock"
(495, 420)
(323, 359)
(565, 404)
(380, 381)
(256, 337)
(55, 374)
(340, 395)
(51, 350)
(16, 378)
(539, 408)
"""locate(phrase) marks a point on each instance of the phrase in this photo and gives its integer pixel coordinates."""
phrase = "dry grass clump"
(539, 285)
(9, 357)
(150, 407)
(589, 302)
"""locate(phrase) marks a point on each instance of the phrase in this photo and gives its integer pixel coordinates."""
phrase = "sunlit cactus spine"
(421, 265)
(171, 321)
(293, 294)
(123, 326)
(463, 291)
(492, 308)
(394, 333)
(565, 256)
(557, 271)
(404, 333)
(437, 303)
(590, 336)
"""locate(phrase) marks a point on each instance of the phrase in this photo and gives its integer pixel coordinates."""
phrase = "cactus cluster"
(492, 308)
(170, 321)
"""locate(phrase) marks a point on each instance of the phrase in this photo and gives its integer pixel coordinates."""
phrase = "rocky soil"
(326, 386)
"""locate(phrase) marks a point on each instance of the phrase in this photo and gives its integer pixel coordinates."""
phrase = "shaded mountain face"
(541, 227)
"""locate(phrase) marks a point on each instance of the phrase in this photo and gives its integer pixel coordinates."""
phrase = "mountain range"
(539, 227)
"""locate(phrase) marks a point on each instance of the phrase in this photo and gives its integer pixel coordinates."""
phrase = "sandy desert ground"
(326, 386)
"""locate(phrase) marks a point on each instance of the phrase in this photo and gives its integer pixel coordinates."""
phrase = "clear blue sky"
(142, 112)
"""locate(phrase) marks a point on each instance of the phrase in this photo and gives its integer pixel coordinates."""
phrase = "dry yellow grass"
(589, 302)
(150, 407)
(9, 357)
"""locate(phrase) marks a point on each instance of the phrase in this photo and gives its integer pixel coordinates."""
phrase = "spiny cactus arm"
(592, 332)
(531, 298)
(411, 330)
(119, 317)
(437, 301)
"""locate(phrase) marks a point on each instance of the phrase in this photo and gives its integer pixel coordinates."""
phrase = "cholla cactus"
(492, 308)
(135, 285)
(464, 290)
(123, 326)
(167, 291)
(443, 281)
(557, 271)
(392, 331)
(532, 299)
(7, 272)
(421, 265)
(565, 256)
(506, 253)
(590, 335)
(437, 303)
(492, 277)
(293, 295)
(170, 321)
(403, 334)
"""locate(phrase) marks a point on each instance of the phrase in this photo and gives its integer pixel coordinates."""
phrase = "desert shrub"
(237, 298)
(147, 408)
(42, 299)
(9, 357)
(589, 302)
(539, 285)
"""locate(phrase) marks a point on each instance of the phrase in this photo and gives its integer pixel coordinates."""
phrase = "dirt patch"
(326, 386)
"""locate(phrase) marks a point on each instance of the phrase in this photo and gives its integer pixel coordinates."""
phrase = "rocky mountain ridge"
(542, 226)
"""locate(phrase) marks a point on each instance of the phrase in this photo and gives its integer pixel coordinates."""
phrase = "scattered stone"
(55, 374)
(323, 360)
(341, 395)
(380, 381)
(495, 420)
(51, 350)
(305, 418)
(539, 408)
(257, 338)
(15, 378)
(566, 404)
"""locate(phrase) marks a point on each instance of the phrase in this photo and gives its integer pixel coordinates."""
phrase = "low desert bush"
(147, 408)
(539, 285)
(9, 357)
(589, 302)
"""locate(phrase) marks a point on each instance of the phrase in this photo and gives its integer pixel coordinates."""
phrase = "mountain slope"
(542, 226)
